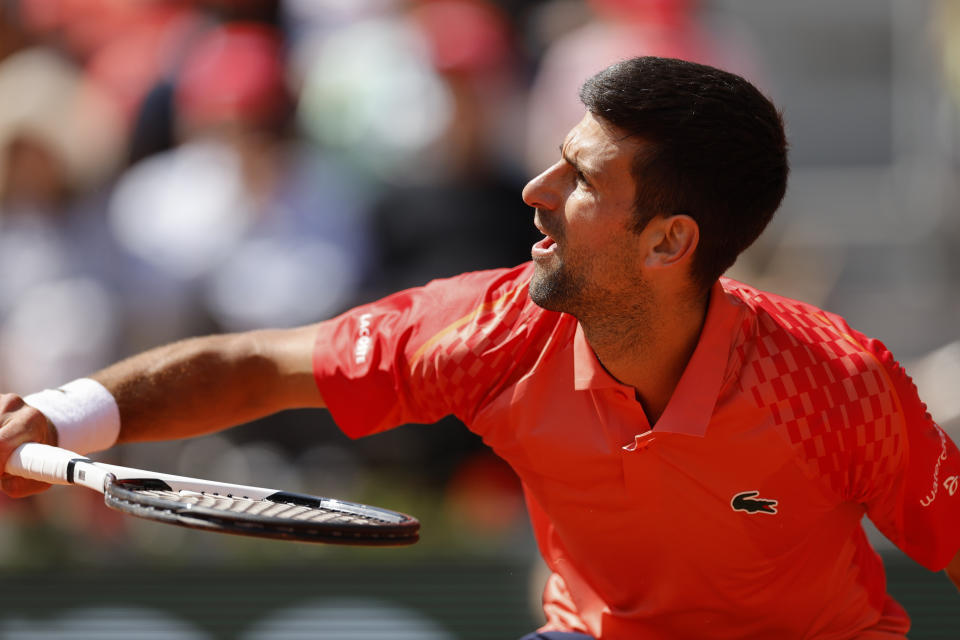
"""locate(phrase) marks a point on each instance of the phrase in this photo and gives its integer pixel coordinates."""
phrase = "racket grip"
(42, 462)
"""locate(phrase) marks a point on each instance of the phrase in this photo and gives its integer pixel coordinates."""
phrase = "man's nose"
(543, 191)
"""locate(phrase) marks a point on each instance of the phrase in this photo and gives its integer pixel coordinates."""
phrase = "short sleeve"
(916, 501)
(423, 353)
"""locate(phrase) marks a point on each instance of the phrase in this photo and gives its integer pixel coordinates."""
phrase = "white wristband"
(83, 411)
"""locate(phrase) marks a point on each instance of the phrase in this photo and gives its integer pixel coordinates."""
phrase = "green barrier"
(363, 600)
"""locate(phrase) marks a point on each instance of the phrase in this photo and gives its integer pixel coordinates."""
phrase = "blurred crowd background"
(171, 168)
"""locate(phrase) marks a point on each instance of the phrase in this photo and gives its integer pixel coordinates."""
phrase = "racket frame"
(121, 489)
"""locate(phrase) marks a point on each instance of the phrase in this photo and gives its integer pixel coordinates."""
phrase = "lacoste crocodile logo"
(748, 501)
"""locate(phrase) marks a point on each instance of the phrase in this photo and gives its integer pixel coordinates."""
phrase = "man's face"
(584, 206)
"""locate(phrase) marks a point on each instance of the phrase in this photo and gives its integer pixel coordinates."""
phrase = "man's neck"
(648, 352)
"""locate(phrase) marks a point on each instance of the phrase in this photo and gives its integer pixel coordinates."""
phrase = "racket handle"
(52, 464)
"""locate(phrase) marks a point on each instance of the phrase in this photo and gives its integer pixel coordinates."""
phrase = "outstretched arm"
(201, 385)
(184, 389)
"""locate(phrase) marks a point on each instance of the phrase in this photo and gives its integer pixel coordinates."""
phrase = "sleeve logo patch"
(748, 501)
(361, 348)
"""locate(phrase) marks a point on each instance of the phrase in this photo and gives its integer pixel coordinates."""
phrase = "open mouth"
(545, 247)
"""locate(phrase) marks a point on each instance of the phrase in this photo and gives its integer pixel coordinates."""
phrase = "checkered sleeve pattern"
(824, 392)
(851, 415)
(461, 366)
(424, 353)
(920, 508)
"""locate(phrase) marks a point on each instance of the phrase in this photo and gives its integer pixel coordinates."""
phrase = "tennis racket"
(217, 506)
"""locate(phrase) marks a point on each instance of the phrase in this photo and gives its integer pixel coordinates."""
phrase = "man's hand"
(20, 423)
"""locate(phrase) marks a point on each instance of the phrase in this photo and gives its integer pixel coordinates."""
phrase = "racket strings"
(263, 508)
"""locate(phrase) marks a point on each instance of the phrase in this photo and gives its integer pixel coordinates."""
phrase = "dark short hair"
(714, 149)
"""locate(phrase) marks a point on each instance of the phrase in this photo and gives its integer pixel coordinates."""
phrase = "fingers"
(17, 487)
(21, 423)
(10, 403)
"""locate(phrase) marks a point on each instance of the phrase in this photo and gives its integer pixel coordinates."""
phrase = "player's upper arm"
(421, 354)
(916, 502)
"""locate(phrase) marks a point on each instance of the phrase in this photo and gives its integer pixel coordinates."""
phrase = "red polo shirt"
(737, 516)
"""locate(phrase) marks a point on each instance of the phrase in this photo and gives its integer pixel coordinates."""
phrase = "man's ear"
(674, 241)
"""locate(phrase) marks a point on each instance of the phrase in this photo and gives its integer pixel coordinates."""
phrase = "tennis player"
(697, 455)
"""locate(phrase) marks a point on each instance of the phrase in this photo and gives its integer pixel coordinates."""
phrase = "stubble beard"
(607, 318)
(556, 289)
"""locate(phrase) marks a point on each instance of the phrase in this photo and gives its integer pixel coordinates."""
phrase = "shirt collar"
(692, 402)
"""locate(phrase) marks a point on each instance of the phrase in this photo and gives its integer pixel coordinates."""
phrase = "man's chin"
(547, 290)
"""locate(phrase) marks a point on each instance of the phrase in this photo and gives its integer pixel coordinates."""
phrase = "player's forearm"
(206, 384)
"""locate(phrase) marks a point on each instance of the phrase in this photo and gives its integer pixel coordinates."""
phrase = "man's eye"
(582, 179)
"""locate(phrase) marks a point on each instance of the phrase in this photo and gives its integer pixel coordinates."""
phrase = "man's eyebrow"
(583, 170)
(570, 159)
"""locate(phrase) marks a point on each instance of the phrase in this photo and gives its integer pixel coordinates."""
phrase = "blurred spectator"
(124, 46)
(428, 101)
(370, 91)
(615, 30)
(50, 104)
(235, 211)
(468, 214)
(59, 141)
